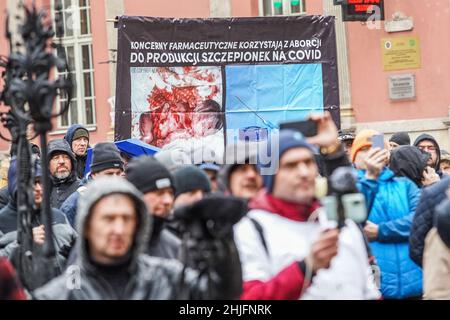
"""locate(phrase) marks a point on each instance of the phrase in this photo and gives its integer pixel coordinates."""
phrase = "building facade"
(368, 71)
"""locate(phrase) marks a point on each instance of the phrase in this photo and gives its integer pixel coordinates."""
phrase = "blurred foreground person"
(113, 224)
(288, 248)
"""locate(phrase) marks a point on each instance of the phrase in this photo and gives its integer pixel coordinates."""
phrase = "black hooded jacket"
(139, 276)
(62, 188)
(410, 162)
(425, 136)
(163, 243)
(81, 160)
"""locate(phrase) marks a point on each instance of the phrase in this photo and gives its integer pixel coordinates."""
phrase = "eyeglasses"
(429, 148)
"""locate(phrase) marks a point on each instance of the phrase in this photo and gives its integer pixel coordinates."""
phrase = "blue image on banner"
(274, 93)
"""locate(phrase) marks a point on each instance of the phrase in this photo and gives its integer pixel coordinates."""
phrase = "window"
(77, 42)
(282, 7)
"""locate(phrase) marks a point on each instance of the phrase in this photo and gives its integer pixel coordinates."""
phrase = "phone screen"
(308, 127)
(378, 141)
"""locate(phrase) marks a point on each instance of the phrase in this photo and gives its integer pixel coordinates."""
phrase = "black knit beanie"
(401, 138)
(190, 178)
(148, 174)
(105, 155)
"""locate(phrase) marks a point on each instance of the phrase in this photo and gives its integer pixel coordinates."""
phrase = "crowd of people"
(146, 228)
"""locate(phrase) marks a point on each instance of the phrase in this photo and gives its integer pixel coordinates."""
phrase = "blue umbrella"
(131, 147)
(135, 147)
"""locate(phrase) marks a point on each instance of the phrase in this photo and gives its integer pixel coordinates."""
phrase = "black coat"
(163, 243)
(62, 188)
(64, 235)
(423, 218)
(8, 218)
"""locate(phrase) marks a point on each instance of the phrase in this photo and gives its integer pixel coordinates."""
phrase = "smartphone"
(307, 127)
(354, 207)
(378, 141)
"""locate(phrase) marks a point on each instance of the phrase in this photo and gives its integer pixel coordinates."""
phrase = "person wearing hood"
(63, 175)
(436, 256)
(399, 139)
(389, 221)
(77, 137)
(428, 143)
(115, 225)
(106, 161)
(157, 184)
(411, 162)
(63, 235)
(288, 248)
(239, 175)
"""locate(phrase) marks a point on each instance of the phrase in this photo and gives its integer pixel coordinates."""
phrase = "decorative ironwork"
(30, 88)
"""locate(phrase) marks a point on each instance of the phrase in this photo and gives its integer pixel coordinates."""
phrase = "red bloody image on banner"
(181, 103)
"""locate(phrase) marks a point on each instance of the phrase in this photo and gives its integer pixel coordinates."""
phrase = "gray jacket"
(150, 277)
(64, 237)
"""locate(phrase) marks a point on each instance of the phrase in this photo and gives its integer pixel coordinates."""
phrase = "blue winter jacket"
(70, 205)
(393, 211)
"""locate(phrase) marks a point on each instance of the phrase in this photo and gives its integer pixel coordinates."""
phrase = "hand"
(371, 231)
(375, 161)
(39, 234)
(327, 133)
(429, 176)
(323, 250)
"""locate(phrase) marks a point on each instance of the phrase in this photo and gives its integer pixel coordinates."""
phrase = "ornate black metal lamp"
(30, 88)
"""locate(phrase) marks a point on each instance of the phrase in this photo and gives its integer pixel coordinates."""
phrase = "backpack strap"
(260, 231)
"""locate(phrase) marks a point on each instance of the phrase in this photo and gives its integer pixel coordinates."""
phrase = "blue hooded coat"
(393, 211)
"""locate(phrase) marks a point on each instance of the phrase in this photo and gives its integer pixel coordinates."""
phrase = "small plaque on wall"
(402, 86)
